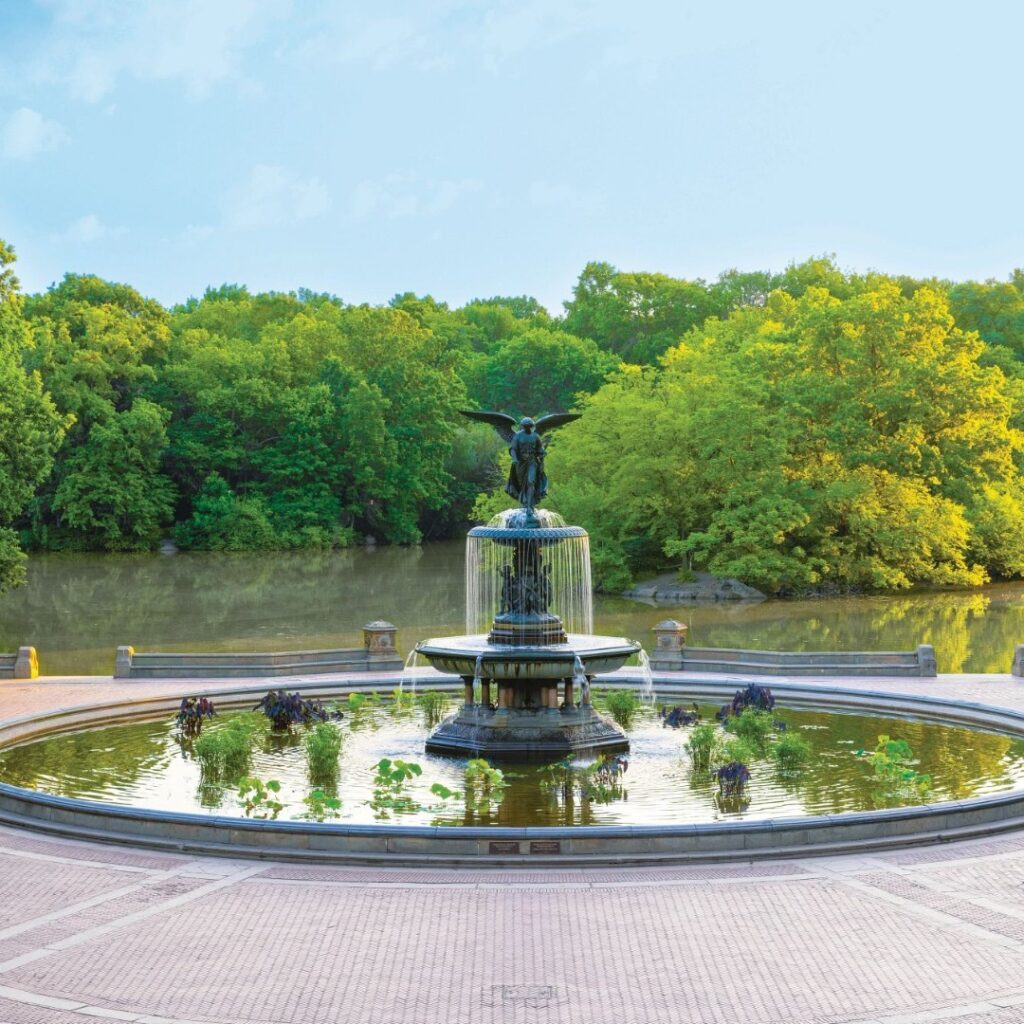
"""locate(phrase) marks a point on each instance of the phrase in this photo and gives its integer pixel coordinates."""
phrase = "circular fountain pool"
(135, 781)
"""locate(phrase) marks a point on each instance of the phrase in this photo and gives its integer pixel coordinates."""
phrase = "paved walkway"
(91, 931)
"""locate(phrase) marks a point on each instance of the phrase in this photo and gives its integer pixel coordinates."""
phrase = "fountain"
(522, 569)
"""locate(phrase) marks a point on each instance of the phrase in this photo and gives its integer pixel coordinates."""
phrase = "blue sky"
(471, 148)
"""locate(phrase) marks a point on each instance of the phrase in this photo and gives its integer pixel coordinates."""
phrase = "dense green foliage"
(803, 430)
(30, 426)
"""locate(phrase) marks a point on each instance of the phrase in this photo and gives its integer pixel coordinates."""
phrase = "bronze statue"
(527, 481)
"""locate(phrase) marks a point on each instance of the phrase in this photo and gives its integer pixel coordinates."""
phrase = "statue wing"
(501, 421)
(556, 419)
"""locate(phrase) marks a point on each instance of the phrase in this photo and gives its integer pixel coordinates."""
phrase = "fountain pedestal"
(520, 569)
(526, 734)
(541, 706)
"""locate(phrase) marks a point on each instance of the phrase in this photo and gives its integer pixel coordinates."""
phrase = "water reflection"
(77, 608)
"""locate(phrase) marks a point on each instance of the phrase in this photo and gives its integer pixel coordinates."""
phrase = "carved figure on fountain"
(527, 481)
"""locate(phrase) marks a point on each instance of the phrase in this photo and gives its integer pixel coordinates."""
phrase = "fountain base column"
(540, 733)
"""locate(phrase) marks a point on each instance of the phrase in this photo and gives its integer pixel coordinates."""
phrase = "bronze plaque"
(503, 846)
(545, 846)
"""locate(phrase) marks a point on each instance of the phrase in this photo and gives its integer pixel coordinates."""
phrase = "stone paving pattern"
(90, 931)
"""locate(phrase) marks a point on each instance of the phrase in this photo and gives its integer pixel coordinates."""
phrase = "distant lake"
(77, 608)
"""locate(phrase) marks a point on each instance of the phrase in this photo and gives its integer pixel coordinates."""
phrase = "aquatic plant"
(791, 751)
(753, 696)
(433, 704)
(599, 782)
(321, 805)
(622, 705)
(703, 745)
(323, 746)
(401, 701)
(732, 778)
(225, 751)
(254, 795)
(191, 714)
(737, 748)
(287, 709)
(677, 716)
(751, 724)
(484, 784)
(892, 762)
(389, 787)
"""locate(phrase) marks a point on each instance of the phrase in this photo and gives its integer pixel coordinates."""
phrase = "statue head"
(527, 424)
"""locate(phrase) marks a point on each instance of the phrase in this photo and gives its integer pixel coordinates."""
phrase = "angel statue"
(527, 482)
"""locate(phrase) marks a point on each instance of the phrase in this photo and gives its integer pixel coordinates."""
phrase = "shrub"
(737, 749)
(791, 751)
(704, 744)
(226, 751)
(752, 725)
(323, 745)
(623, 706)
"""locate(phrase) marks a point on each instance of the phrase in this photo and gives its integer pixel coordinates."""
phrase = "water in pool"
(147, 764)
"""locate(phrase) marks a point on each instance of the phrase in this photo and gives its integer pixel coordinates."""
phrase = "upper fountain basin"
(458, 654)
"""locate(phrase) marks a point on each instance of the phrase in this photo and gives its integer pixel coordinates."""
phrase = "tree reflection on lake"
(77, 608)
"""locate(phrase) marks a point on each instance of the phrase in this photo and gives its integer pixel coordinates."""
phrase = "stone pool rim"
(395, 844)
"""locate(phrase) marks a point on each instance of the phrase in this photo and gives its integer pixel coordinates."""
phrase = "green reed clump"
(737, 749)
(323, 746)
(433, 704)
(791, 751)
(623, 706)
(704, 745)
(226, 750)
(752, 725)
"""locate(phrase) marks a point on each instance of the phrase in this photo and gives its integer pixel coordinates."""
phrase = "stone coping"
(482, 846)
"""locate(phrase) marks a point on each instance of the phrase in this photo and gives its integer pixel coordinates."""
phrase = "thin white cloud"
(273, 196)
(407, 195)
(89, 229)
(96, 43)
(27, 133)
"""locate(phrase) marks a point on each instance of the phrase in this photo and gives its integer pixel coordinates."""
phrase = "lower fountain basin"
(459, 654)
(519, 734)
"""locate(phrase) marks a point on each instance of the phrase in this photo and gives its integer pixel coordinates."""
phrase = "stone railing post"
(379, 644)
(123, 662)
(668, 650)
(1018, 660)
(926, 660)
(26, 663)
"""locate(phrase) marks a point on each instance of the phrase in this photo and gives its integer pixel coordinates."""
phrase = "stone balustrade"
(671, 654)
(23, 664)
(378, 654)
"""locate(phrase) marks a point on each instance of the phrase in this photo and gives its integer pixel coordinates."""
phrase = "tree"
(853, 442)
(31, 429)
(96, 346)
(539, 371)
(637, 315)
